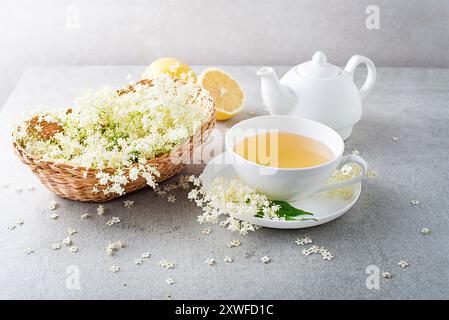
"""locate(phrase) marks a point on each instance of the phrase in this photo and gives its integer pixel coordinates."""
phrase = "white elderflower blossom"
(348, 171)
(122, 130)
(325, 254)
(54, 216)
(101, 210)
(112, 221)
(170, 281)
(128, 204)
(210, 262)
(387, 275)
(166, 264)
(355, 151)
(303, 241)
(28, 251)
(306, 252)
(414, 202)
(171, 198)
(265, 259)
(67, 241)
(74, 249)
(228, 259)
(138, 261)
(206, 231)
(230, 200)
(52, 205)
(11, 226)
(403, 263)
(113, 247)
(233, 243)
(425, 231)
(146, 255)
(315, 249)
(56, 246)
(115, 269)
(20, 222)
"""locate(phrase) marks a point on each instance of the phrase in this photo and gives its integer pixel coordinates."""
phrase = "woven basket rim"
(210, 111)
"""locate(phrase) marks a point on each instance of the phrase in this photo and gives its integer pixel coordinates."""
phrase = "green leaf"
(288, 212)
(287, 209)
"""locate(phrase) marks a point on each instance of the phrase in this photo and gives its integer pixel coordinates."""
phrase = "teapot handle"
(353, 63)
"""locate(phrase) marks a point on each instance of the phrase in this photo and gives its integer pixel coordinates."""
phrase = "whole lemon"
(175, 68)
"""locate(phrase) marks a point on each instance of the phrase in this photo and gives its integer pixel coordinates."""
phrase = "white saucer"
(324, 207)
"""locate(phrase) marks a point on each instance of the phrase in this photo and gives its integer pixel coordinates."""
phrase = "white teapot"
(319, 91)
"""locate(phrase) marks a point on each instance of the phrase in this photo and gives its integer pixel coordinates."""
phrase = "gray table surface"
(382, 228)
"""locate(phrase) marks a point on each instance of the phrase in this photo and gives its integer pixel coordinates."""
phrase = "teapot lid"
(318, 67)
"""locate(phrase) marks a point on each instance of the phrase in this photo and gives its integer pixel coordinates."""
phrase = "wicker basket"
(72, 182)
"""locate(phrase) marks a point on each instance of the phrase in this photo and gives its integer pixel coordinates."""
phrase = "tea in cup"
(288, 157)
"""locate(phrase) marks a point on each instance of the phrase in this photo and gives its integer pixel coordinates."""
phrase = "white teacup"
(288, 183)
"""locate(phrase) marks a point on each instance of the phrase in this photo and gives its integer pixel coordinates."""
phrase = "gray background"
(247, 32)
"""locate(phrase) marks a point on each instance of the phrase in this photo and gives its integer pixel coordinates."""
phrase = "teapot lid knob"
(318, 67)
(319, 58)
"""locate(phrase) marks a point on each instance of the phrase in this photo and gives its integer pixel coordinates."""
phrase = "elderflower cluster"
(231, 200)
(347, 172)
(120, 131)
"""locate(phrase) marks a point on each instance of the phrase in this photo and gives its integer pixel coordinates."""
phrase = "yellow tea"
(283, 150)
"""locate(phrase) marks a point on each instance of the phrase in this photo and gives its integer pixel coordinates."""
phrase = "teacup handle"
(347, 159)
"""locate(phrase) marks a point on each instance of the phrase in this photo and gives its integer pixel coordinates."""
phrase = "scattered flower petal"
(210, 262)
(166, 264)
(52, 205)
(234, 243)
(101, 210)
(113, 221)
(67, 241)
(128, 204)
(113, 247)
(403, 263)
(303, 241)
(115, 269)
(54, 216)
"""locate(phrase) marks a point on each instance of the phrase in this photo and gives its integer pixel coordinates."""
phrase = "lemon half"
(227, 93)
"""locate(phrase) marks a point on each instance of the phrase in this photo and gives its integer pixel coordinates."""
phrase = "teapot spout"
(278, 97)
